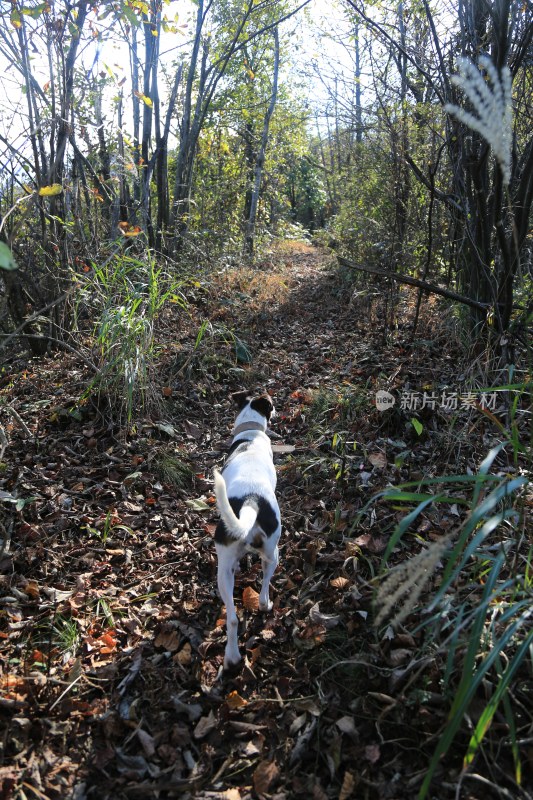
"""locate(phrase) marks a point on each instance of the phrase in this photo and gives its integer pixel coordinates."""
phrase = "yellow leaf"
(50, 191)
(129, 230)
(16, 19)
(234, 700)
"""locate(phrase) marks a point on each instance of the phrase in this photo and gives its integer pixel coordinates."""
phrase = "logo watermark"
(384, 400)
(445, 400)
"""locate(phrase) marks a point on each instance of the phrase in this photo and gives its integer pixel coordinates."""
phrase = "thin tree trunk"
(260, 161)
(358, 106)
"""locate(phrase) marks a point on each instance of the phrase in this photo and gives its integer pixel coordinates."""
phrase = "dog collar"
(248, 426)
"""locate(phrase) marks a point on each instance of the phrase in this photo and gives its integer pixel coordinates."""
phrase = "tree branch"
(430, 287)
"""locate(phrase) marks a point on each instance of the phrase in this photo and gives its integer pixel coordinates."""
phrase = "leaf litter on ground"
(111, 624)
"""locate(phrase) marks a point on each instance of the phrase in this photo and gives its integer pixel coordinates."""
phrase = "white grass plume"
(404, 583)
(494, 108)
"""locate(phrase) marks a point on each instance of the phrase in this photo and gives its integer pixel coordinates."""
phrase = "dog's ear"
(240, 399)
(263, 404)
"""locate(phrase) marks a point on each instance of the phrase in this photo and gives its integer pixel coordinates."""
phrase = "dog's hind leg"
(227, 563)
(269, 562)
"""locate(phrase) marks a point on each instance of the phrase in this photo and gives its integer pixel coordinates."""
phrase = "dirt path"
(111, 624)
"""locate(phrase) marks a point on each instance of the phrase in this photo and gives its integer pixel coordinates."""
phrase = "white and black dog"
(246, 500)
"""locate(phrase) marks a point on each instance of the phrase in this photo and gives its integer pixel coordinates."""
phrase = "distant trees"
(445, 201)
(108, 148)
(110, 143)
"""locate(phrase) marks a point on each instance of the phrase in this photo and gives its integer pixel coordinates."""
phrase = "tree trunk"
(260, 160)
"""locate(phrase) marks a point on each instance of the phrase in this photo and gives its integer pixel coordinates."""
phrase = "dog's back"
(246, 500)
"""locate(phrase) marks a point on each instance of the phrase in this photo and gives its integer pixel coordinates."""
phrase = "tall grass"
(127, 293)
(478, 623)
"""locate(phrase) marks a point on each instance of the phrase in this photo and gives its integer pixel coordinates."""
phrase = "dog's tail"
(239, 526)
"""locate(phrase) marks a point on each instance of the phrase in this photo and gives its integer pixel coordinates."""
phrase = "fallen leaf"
(234, 700)
(250, 599)
(372, 753)
(374, 544)
(348, 785)
(297, 724)
(198, 504)
(192, 430)
(309, 637)
(327, 620)
(56, 595)
(339, 583)
(184, 657)
(378, 460)
(32, 589)
(283, 448)
(205, 725)
(168, 640)
(347, 725)
(165, 427)
(265, 773)
(399, 656)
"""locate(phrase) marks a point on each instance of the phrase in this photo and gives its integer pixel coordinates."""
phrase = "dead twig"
(16, 415)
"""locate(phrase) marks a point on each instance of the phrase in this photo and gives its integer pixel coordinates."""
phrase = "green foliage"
(305, 192)
(480, 616)
(7, 260)
(128, 293)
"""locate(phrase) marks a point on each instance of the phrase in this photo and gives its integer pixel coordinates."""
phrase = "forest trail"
(112, 619)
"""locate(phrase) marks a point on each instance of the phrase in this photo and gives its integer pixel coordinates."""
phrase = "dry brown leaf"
(255, 654)
(309, 637)
(374, 544)
(319, 793)
(339, 583)
(250, 599)
(265, 773)
(378, 460)
(348, 785)
(252, 748)
(168, 639)
(231, 794)
(327, 620)
(234, 700)
(399, 656)
(32, 588)
(184, 656)
(205, 725)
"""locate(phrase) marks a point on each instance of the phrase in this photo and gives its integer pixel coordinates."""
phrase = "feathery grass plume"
(405, 582)
(494, 108)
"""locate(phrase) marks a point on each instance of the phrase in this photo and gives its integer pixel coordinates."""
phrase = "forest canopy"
(203, 128)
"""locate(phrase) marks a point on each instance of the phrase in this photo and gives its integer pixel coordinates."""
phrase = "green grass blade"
(404, 525)
(489, 711)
